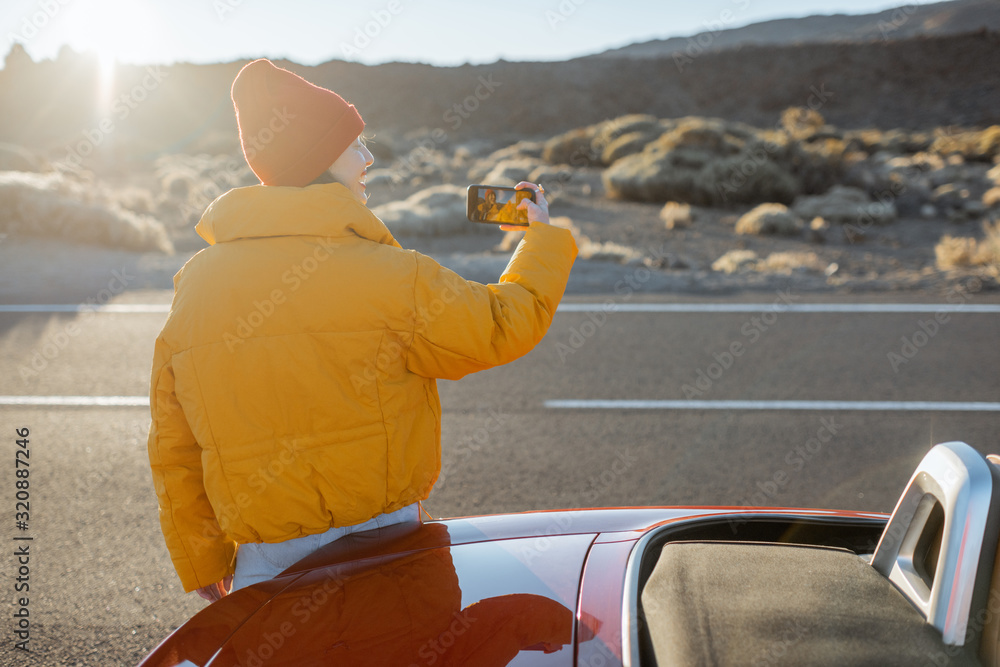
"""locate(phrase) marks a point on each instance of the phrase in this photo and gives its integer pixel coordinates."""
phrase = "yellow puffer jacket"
(293, 383)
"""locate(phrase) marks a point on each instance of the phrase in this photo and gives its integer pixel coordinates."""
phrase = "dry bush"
(979, 145)
(609, 252)
(787, 262)
(954, 252)
(770, 219)
(53, 206)
(735, 261)
(991, 198)
(573, 147)
(676, 215)
(742, 261)
(436, 211)
(797, 119)
(702, 161)
(626, 144)
(892, 141)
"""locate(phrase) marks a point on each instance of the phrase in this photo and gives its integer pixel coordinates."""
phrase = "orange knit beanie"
(291, 131)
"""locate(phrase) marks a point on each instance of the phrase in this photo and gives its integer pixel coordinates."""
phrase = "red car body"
(538, 588)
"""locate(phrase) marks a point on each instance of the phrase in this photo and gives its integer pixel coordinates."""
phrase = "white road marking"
(780, 307)
(600, 404)
(880, 406)
(114, 401)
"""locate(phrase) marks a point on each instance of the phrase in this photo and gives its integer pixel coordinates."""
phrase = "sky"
(439, 32)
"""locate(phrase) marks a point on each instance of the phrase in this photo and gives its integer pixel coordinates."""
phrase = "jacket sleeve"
(200, 551)
(461, 326)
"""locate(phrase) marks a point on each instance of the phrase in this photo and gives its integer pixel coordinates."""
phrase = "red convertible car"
(639, 586)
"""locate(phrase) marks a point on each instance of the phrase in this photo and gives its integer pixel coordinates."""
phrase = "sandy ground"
(896, 257)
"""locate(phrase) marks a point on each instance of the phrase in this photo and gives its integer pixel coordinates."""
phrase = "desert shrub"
(436, 211)
(610, 130)
(706, 162)
(626, 144)
(609, 252)
(573, 147)
(52, 206)
(735, 261)
(953, 252)
(895, 141)
(768, 219)
(676, 215)
(626, 135)
(789, 261)
(799, 121)
(991, 198)
(979, 145)
(741, 261)
(816, 164)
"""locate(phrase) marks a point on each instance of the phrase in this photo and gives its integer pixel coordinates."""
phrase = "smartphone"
(497, 204)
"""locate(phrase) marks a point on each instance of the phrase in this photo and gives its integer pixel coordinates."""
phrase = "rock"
(769, 219)
(974, 208)
(844, 204)
(435, 211)
(676, 215)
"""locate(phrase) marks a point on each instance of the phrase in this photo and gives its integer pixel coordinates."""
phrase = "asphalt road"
(103, 591)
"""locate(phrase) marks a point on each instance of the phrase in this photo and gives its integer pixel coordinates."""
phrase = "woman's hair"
(326, 176)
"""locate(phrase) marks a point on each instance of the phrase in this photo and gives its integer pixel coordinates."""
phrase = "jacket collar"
(328, 210)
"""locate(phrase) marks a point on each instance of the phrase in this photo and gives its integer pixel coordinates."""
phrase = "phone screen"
(497, 204)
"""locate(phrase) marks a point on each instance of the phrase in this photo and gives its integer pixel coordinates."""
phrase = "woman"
(293, 391)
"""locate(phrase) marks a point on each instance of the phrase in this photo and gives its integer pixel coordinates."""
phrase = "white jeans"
(259, 561)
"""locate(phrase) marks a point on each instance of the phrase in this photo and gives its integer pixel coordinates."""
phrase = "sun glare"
(114, 31)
